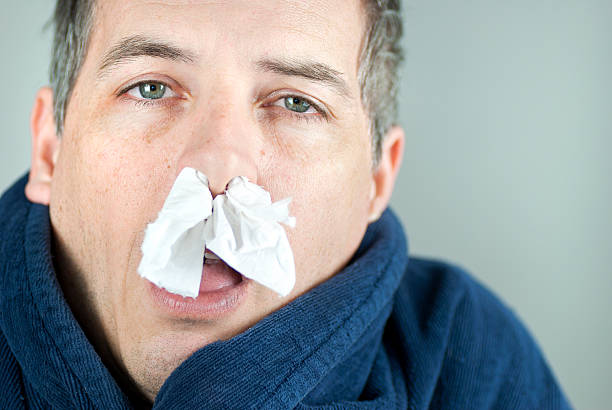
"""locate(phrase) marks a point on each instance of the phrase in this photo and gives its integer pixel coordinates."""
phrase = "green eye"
(152, 91)
(296, 104)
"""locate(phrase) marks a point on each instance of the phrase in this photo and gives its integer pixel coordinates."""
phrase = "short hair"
(381, 57)
(379, 61)
(72, 21)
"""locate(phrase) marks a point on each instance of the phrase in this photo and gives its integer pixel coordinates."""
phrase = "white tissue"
(242, 227)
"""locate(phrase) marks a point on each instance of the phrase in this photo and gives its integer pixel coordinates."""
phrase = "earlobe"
(45, 148)
(386, 173)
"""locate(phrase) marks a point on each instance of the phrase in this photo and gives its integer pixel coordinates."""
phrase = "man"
(299, 97)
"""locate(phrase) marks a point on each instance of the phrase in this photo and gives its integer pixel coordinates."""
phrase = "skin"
(108, 175)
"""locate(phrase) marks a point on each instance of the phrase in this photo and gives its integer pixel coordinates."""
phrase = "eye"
(296, 104)
(150, 90)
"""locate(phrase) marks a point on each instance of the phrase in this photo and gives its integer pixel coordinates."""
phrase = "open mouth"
(221, 290)
(217, 275)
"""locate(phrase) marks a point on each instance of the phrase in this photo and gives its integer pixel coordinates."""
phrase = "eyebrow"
(311, 70)
(139, 46)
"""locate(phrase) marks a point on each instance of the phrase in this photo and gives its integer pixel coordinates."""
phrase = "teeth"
(209, 255)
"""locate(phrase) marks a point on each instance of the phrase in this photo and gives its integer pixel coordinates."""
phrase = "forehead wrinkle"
(304, 19)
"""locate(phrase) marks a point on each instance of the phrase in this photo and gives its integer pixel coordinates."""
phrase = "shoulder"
(446, 293)
(472, 350)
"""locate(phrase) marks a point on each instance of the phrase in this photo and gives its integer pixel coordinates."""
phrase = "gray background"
(506, 107)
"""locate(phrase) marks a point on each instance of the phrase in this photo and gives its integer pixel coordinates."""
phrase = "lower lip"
(209, 304)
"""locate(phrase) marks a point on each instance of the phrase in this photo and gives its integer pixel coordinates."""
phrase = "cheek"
(330, 203)
(112, 177)
(129, 187)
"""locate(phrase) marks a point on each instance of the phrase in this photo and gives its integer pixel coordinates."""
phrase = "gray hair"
(379, 64)
(72, 21)
(381, 55)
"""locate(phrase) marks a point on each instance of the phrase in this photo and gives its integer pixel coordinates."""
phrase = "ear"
(45, 148)
(385, 174)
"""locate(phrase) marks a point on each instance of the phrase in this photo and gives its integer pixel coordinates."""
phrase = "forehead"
(332, 31)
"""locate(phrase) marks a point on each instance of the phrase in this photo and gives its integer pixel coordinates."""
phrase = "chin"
(152, 361)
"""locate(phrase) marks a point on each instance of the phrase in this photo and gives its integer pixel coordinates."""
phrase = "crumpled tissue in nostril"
(242, 227)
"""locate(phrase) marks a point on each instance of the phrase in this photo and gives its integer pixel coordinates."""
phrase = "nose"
(225, 143)
(223, 164)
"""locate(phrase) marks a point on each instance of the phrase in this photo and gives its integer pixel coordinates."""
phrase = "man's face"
(234, 99)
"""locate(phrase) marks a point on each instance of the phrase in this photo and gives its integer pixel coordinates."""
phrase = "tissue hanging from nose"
(242, 227)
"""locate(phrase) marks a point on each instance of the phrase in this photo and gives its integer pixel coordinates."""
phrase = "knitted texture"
(384, 333)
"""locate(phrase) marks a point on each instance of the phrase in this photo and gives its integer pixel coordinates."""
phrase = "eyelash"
(320, 115)
(145, 103)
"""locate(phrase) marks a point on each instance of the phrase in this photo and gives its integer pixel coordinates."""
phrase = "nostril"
(217, 189)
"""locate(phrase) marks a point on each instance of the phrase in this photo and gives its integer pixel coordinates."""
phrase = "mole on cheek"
(147, 138)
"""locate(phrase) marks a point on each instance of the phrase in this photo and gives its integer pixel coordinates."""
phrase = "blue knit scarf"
(323, 350)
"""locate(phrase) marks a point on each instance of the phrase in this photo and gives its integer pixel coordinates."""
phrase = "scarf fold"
(60, 367)
(323, 350)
